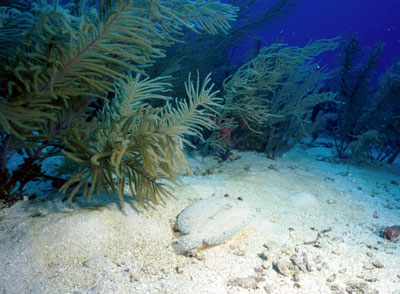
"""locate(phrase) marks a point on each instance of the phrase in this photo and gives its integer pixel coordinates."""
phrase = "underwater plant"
(70, 85)
(380, 124)
(354, 78)
(136, 144)
(269, 100)
(368, 108)
(217, 53)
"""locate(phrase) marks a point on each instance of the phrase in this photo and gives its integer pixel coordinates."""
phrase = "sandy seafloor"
(49, 246)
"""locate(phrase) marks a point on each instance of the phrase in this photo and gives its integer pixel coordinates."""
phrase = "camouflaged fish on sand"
(211, 221)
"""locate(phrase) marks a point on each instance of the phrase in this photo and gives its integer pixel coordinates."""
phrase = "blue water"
(374, 20)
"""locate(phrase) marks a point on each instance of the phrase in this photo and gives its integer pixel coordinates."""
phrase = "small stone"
(273, 167)
(172, 224)
(266, 265)
(265, 255)
(377, 264)
(368, 266)
(191, 253)
(324, 266)
(317, 259)
(334, 288)
(299, 262)
(287, 251)
(370, 278)
(371, 247)
(317, 245)
(296, 274)
(309, 267)
(283, 267)
(240, 198)
(179, 270)
(331, 278)
(259, 271)
(239, 252)
(331, 201)
(345, 174)
(199, 257)
(356, 287)
(247, 283)
(208, 171)
(226, 195)
(268, 289)
(95, 262)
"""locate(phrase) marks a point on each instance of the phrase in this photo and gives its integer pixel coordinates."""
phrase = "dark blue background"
(374, 20)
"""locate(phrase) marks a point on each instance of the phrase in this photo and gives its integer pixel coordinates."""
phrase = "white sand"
(101, 248)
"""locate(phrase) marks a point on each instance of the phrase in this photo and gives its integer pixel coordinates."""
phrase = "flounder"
(211, 221)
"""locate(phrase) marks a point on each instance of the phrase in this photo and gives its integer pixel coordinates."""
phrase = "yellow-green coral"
(138, 144)
(65, 63)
